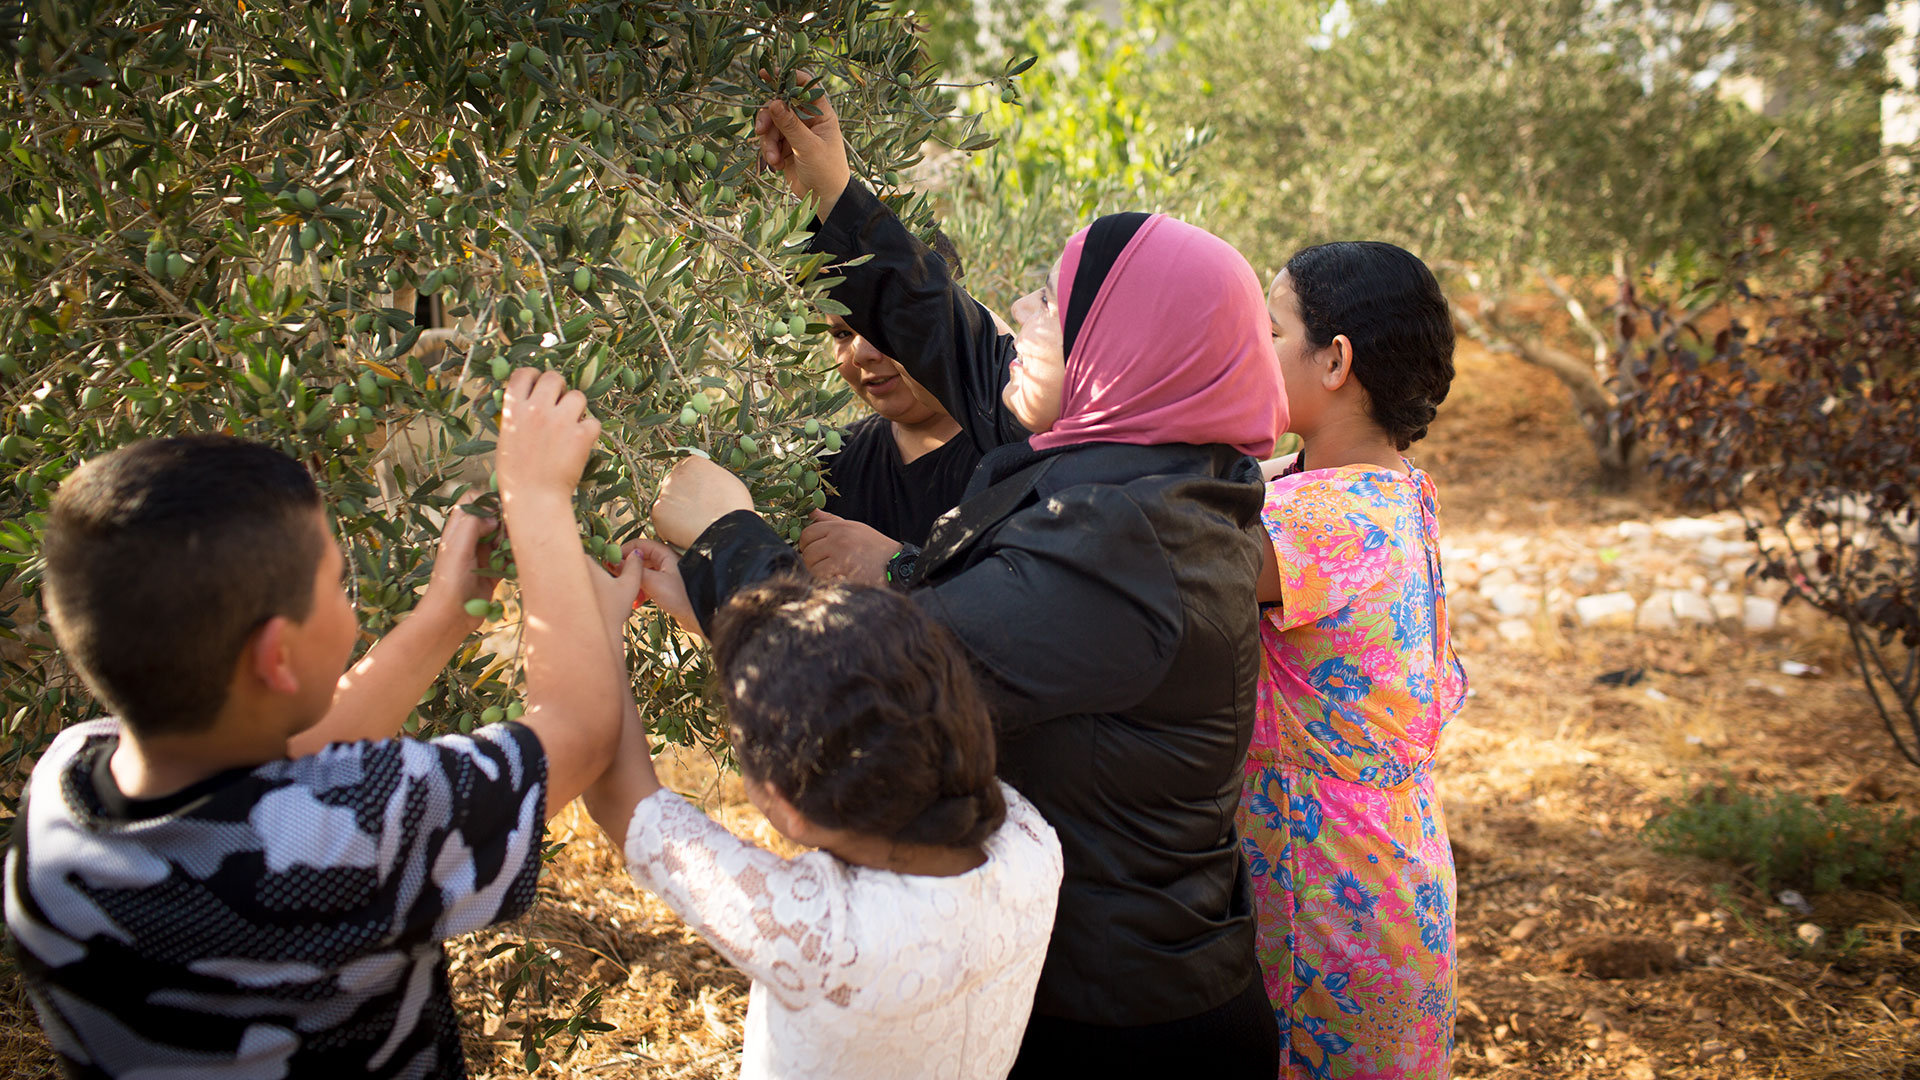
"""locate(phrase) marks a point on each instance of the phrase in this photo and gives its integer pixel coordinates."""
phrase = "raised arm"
(902, 299)
(575, 680)
(376, 694)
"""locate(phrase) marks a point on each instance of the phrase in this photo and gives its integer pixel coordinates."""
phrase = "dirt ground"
(1582, 953)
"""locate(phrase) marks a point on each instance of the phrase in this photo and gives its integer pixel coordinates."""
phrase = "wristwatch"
(901, 566)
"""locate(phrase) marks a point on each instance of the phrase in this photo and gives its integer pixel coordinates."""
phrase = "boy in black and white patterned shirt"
(246, 874)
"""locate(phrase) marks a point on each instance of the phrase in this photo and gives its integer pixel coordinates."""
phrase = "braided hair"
(1386, 301)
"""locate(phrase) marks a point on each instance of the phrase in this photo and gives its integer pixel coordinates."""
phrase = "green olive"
(309, 237)
(307, 198)
(833, 440)
(342, 393)
(492, 714)
(363, 322)
(811, 427)
(477, 608)
(176, 266)
(688, 417)
(516, 52)
(583, 280)
(701, 404)
(501, 369)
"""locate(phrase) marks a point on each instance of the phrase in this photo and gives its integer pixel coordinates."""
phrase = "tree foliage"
(334, 227)
(1078, 136)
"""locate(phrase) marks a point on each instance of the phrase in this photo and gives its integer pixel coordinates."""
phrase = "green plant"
(336, 226)
(1082, 139)
(1782, 840)
(1807, 428)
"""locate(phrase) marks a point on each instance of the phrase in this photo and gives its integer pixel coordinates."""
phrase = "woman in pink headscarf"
(1101, 574)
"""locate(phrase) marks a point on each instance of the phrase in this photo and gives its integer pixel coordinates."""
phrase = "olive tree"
(335, 227)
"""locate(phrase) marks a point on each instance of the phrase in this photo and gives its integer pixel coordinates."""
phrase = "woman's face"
(1037, 380)
(1304, 378)
(878, 379)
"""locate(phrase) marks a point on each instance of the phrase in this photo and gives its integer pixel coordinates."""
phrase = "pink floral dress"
(1353, 876)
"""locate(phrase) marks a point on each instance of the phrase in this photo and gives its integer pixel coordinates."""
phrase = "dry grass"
(1547, 779)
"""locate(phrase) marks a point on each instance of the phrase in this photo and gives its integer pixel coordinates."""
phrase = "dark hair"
(860, 710)
(1386, 301)
(163, 557)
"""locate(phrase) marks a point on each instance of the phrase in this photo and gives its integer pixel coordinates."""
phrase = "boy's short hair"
(163, 557)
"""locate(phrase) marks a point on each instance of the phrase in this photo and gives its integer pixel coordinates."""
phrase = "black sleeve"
(903, 301)
(735, 552)
(1075, 610)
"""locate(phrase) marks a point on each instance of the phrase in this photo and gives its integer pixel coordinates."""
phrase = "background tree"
(1564, 144)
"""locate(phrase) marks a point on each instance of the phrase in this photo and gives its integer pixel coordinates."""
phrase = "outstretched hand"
(546, 435)
(806, 146)
(660, 582)
(616, 593)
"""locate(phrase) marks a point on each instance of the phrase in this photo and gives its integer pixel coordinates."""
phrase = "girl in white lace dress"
(910, 943)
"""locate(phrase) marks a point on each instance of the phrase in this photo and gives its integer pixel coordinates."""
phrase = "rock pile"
(1657, 576)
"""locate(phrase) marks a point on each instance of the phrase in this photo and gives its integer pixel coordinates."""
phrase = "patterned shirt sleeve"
(451, 827)
(779, 920)
(1328, 545)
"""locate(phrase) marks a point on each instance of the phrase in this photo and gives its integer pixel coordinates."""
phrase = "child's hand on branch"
(660, 582)
(466, 544)
(804, 143)
(616, 594)
(546, 435)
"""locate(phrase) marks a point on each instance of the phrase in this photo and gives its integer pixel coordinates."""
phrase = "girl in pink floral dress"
(1353, 876)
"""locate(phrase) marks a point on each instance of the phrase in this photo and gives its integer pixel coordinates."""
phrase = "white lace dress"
(861, 973)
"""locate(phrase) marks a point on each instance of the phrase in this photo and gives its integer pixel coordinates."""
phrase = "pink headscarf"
(1176, 348)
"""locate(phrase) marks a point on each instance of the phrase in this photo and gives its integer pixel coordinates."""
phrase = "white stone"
(1727, 607)
(1692, 528)
(1656, 612)
(1516, 631)
(1515, 600)
(1583, 574)
(1496, 579)
(1605, 609)
(1693, 607)
(1635, 530)
(1463, 575)
(1760, 614)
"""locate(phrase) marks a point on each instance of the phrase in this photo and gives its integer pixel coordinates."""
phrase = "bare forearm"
(573, 675)
(626, 782)
(376, 694)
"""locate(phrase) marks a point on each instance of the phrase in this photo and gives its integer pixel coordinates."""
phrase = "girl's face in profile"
(1036, 382)
(1296, 354)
